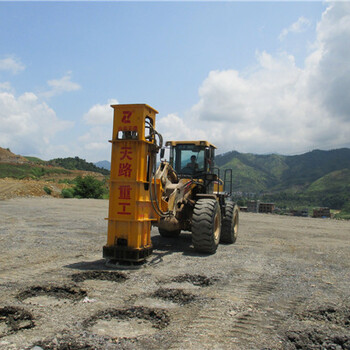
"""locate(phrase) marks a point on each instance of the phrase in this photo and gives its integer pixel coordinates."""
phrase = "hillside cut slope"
(6, 156)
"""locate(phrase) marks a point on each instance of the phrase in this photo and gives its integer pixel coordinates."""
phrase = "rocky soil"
(283, 285)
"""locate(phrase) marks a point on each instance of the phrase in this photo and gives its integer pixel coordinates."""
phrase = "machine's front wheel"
(169, 234)
(206, 225)
(229, 229)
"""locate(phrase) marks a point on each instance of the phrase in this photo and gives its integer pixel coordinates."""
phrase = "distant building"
(301, 212)
(321, 213)
(266, 207)
(257, 207)
(253, 206)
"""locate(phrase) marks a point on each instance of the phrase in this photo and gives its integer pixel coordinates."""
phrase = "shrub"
(67, 193)
(88, 187)
(47, 190)
(66, 181)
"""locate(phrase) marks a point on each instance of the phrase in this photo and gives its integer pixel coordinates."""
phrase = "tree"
(88, 187)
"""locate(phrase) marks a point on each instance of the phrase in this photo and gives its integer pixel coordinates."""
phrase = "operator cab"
(191, 158)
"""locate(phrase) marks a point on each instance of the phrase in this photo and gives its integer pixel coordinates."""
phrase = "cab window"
(189, 159)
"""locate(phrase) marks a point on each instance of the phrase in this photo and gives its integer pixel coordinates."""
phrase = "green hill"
(275, 172)
(317, 178)
(336, 182)
(77, 163)
(307, 168)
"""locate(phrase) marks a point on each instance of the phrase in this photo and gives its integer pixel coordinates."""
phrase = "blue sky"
(229, 72)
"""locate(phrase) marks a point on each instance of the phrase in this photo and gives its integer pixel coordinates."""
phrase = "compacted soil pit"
(47, 295)
(66, 343)
(196, 280)
(99, 275)
(315, 338)
(330, 313)
(14, 319)
(325, 327)
(128, 323)
(177, 296)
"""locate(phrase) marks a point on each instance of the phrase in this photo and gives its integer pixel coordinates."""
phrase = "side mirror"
(207, 153)
(162, 152)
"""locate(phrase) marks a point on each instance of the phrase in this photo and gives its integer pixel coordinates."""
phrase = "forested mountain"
(77, 163)
(273, 172)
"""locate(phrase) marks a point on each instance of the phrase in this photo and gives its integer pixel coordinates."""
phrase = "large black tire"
(169, 234)
(206, 225)
(229, 228)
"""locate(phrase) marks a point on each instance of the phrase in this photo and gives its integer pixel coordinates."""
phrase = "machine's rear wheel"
(206, 225)
(229, 229)
(169, 234)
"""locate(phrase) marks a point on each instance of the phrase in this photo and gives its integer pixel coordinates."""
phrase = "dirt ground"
(13, 188)
(284, 284)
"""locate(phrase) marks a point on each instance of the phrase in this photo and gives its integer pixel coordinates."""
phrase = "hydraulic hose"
(152, 170)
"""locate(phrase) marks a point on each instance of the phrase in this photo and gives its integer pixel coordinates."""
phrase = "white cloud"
(94, 143)
(100, 114)
(278, 106)
(5, 86)
(172, 127)
(11, 64)
(59, 86)
(28, 125)
(297, 27)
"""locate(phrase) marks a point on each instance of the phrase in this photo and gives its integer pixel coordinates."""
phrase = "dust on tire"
(206, 225)
(229, 228)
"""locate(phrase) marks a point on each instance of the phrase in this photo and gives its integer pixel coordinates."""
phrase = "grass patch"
(67, 181)
(35, 160)
(21, 171)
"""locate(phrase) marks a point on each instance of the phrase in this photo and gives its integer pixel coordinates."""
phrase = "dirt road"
(284, 285)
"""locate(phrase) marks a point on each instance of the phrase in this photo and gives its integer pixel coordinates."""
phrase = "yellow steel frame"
(130, 208)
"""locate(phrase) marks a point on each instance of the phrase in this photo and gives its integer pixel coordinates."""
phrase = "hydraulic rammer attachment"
(134, 150)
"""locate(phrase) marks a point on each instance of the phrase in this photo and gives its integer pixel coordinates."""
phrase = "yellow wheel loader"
(185, 193)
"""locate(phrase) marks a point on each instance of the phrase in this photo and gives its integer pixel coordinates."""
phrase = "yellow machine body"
(171, 197)
(130, 208)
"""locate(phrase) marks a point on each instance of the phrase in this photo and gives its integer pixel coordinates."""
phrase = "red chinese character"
(126, 117)
(124, 192)
(124, 212)
(124, 169)
(125, 152)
